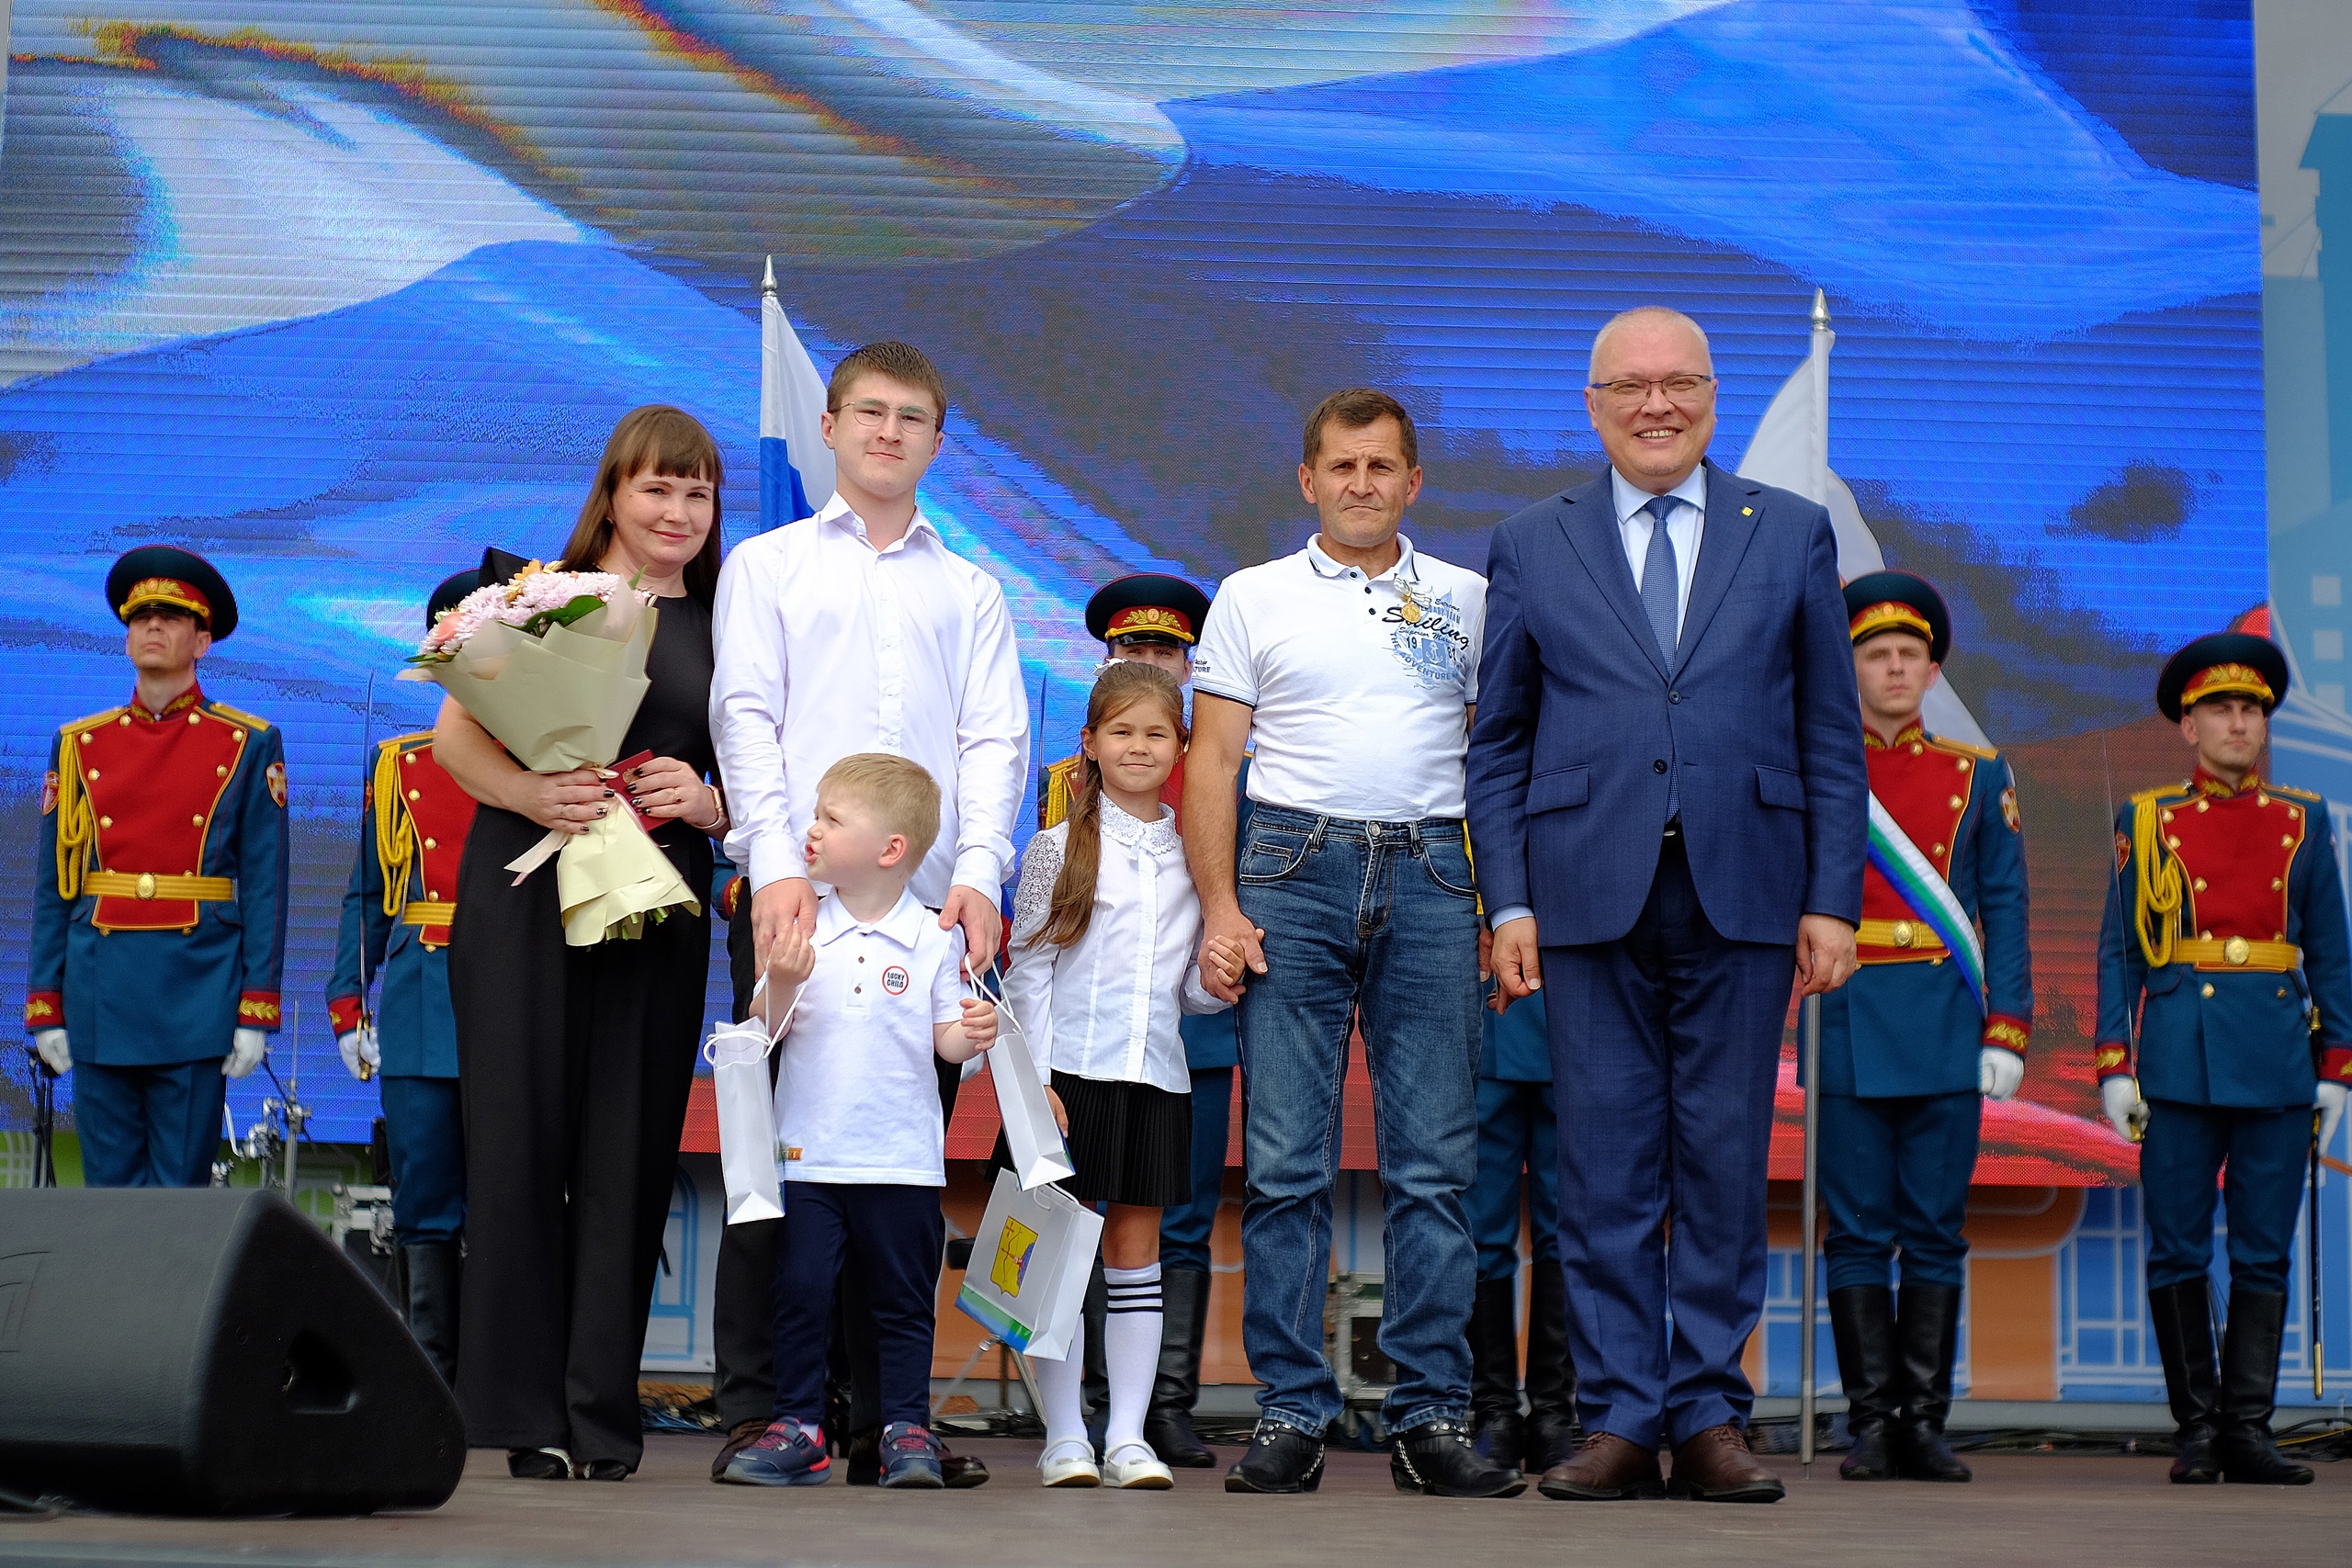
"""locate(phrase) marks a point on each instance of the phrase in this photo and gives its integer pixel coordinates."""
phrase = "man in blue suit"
(1667, 800)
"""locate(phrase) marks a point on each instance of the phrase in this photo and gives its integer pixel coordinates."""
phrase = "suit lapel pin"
(1748, 512)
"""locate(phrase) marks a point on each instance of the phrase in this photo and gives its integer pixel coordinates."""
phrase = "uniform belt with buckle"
(2236, 952)
(417, 913)
(148, 885)
(1913, 939)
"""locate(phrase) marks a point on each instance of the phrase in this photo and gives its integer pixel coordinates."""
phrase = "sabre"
(1809, 1038)
(2132, 1004)
(366, 733)
(2311, 1233)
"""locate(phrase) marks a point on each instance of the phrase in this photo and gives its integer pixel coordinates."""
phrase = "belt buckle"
(2237, 950)
(1905, 933)
(146, 885)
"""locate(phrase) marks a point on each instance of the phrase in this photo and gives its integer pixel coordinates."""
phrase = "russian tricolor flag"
(796, 466)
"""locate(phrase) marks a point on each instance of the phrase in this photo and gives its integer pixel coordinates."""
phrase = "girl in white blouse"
(1105, 925)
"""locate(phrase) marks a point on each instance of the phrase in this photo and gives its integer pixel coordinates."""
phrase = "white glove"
(2126, 1111)
(358, 1045)
(247, 1048)
(1998, 1072)
(50, 1043)
(2328, 1103)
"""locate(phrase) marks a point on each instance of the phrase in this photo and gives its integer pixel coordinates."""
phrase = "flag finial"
(1820, 309)
(767, 284)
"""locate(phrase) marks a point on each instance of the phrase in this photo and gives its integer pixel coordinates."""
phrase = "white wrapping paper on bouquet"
(562, 701)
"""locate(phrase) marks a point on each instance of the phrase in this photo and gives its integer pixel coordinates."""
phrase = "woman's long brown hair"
(1121, 687)
(663, 440)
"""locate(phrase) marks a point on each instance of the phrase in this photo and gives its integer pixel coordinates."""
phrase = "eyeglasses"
(1682, 388)
(913, 420)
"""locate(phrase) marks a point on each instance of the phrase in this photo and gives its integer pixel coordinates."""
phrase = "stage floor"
(2022, 1508)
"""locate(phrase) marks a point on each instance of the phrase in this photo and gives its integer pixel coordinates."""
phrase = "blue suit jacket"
(1579, 714)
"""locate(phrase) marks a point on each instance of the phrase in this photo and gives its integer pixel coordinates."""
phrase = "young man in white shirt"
(1354, 665)
(859, 630)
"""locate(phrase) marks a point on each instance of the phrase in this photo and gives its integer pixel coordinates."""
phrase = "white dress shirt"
(825, 646)
(1106, 1006)
(857, 1093)
(1685, 528)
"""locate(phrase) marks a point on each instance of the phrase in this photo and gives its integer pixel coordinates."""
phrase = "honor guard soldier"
(159, 908)
(1517, 1154)
(1934, 1021)
(396, 913)
(1153, 618)
(2224, 939)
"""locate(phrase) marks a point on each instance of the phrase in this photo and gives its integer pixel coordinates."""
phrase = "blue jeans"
(1377, 919)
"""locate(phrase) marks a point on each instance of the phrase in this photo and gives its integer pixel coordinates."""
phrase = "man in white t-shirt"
(1353, 666)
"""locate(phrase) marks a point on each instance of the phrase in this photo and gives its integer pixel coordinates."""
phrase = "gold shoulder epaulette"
(2313, 795)
(104, 716)
(1962, 747)
(408, 742)
(2163, 794)
(1053, 810)
(239, 715)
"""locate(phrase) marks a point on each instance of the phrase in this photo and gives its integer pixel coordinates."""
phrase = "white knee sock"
(1063, 1384)
(1130, 1352)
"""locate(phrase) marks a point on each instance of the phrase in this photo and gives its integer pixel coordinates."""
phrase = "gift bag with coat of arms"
(1027, 1282)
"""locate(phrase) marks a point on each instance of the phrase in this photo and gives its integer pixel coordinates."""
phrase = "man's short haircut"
(1353, 408)
(1643, 312)
(902, 362)
(897, 790)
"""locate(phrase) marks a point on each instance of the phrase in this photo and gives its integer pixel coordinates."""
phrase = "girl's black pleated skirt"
(1132, 1143)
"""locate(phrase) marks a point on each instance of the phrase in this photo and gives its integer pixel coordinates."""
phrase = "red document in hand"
(626, 766)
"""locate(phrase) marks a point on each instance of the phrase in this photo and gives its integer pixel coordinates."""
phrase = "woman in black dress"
(575, 1062)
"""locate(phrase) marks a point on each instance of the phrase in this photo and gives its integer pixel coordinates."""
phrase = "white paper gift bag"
(1031, 1258)
(1031, 1135)
(737, 1055)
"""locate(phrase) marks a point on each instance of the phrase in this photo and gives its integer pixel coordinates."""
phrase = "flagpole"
(1809, 1045)
(767, 284)
(1822, 338)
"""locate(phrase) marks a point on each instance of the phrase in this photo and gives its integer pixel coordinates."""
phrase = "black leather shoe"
(603, 1469)
(1926, 1336)
(2182, 1317)
(2250, 1455)
(1437, 1458)
(1168, 1424)
(1280, 1459)
(1861, 1320)
(538, 1464)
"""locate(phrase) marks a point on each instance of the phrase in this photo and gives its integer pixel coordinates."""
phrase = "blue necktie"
(1661, 576)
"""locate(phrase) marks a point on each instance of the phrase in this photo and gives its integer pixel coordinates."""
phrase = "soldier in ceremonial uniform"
(1936, 1019)
(1517, 1155)
(413, 824)
(159, 903)
(2224, 944)
(1152, 618)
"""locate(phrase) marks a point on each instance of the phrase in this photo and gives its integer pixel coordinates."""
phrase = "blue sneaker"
(789, 1453)
(911, 1456)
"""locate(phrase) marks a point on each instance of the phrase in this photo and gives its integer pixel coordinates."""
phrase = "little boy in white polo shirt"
(873, 994)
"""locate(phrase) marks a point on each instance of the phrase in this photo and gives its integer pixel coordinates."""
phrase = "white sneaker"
(1135, 1467)
(1069, 1462)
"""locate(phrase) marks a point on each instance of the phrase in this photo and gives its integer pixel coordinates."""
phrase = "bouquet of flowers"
(552, 663)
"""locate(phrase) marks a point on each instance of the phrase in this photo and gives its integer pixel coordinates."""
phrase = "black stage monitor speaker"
(207, 1352)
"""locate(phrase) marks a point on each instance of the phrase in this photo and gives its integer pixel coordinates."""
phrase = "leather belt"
(416, 913)
(2236, 952)
(1910, 938)
(148, 885)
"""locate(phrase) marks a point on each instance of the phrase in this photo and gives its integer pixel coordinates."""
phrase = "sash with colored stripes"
(1916, 880)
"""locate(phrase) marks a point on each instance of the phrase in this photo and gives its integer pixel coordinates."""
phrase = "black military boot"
(1495, 1429)
(1168, 1424)
(1861, 1319)
(1926, 1336)
(1279, 1458)
(1553, 1431)
(1436, 1458)
(2182, 1318)
(435, 1270)
(2249, 1387)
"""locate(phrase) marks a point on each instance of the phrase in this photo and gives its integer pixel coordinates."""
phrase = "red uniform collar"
(2204, 783)
(1911, 734)
(177, 705)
